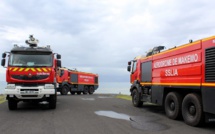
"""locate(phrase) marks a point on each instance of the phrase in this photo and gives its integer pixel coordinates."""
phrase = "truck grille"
(34, 77)
(209, 64)
(29, 89)
(29, 95)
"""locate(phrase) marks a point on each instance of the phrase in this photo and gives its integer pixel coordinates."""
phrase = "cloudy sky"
(100, 36)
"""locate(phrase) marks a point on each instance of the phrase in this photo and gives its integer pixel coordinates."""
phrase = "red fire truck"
(31, 74)
(76, 82)
(182, 79)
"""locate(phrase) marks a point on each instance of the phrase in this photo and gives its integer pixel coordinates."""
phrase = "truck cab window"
(61, 72)
(134, 66)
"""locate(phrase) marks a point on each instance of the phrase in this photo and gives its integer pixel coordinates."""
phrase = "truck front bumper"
(37, 92)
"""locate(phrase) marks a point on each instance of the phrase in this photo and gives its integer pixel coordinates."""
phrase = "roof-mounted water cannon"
(155, 50)
(32, 42)
(158, 48)
(15, 46)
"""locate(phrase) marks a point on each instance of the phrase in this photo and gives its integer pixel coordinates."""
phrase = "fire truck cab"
(31, 74)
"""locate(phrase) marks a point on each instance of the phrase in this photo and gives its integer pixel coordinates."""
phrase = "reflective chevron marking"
(33, 69)
(39, 70)
(21, 69)
(44, 69)
(30, 69)
(27, 69)
(15, 69)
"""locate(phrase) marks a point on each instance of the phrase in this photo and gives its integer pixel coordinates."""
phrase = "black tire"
(192, 109)
(12, 104)
(52, 101)
(91, 90)
(72, 93)
(78, 93)
(64, 90)
(85, 90)
(173, 104)
(136, 98)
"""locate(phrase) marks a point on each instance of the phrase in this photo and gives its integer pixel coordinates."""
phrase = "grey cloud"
(57, 15)
(103, 36)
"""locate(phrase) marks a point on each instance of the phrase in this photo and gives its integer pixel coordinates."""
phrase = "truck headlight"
(10, 86)
(49, 86)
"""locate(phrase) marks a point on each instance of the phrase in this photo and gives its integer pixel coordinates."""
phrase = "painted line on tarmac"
(88, 99)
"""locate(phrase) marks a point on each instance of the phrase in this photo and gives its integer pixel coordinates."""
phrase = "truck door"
(134, 72)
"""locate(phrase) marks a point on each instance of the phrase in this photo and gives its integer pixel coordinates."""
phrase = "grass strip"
(2, 99)
(125, 97)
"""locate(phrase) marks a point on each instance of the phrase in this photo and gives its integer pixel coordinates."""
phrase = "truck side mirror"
(58, 63)
(58, 56)
(3, 62)
(3, 55)
(129, 68)
(129, 63)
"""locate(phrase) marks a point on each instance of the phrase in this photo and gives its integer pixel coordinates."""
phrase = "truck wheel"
(78, 93)
(52, 101)
(72, 93)
(192, 109)
(12, 104)
(173, 105)
(85, 90)
(136, 99)
(91, 90)
(64, 90)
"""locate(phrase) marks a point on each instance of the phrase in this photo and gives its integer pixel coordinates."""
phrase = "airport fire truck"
(31, 74)
(76, 82)
(182, 79)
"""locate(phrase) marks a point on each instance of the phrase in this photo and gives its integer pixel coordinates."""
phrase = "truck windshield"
(30, 60)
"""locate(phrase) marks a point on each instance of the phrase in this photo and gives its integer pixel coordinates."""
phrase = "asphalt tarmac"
(92, 114)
